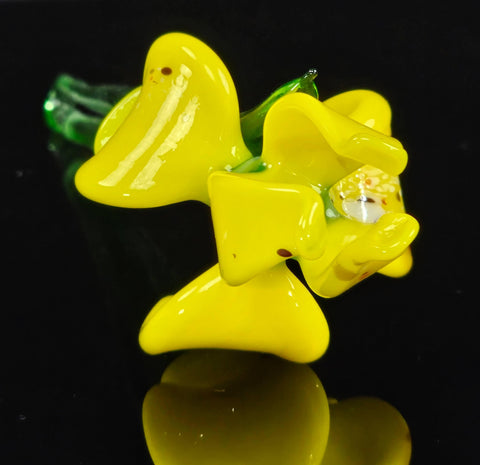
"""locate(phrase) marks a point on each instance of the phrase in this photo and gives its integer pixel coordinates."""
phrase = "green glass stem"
(251, 121)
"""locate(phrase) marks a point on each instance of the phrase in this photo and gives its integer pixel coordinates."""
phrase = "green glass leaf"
(75, 108)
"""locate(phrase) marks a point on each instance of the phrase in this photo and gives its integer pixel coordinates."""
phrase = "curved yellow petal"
(259, 224)
(355, 251)
(367, 431)
(364, 106)
(400, 266)
(306, 141)
(273, 312)
(230, 408)
(185, 124)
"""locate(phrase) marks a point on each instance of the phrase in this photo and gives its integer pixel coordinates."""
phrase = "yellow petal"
(307, 142)
(230, 408)
(259, 224)
(400, 266)
(372, 248)
(367, 431)
(184, 125)
(364, 106)
(115, 117)
(272, 312)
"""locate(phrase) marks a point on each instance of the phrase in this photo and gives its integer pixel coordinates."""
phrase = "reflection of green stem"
(75, 109)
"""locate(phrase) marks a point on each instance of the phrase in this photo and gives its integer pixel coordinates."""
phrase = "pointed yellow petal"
(272, 313)
(260, 224)
(367, 431)
(306, 139)
(382, 243)
(184, 125)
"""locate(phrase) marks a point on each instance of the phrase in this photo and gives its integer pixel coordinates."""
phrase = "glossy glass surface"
(251, 121)
(259, 224)
(184, 125)
(324, 190)
(367, 431)
(272, 312)
(236, 407)
(352, 221)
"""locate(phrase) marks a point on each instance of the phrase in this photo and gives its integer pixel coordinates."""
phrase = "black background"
(72, 377)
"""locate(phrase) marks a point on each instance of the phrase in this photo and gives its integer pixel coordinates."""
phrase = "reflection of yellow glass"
(229, 407)
(184, 124)
(272, 312)
(367, 431)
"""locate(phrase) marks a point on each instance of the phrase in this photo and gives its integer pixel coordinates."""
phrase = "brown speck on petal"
(284, 253)
(166, 70)
(364, 275)
(366, 199)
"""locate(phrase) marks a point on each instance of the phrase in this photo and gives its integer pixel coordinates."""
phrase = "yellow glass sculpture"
(324, 191)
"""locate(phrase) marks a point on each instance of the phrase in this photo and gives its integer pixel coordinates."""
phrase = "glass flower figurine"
(294, 178)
